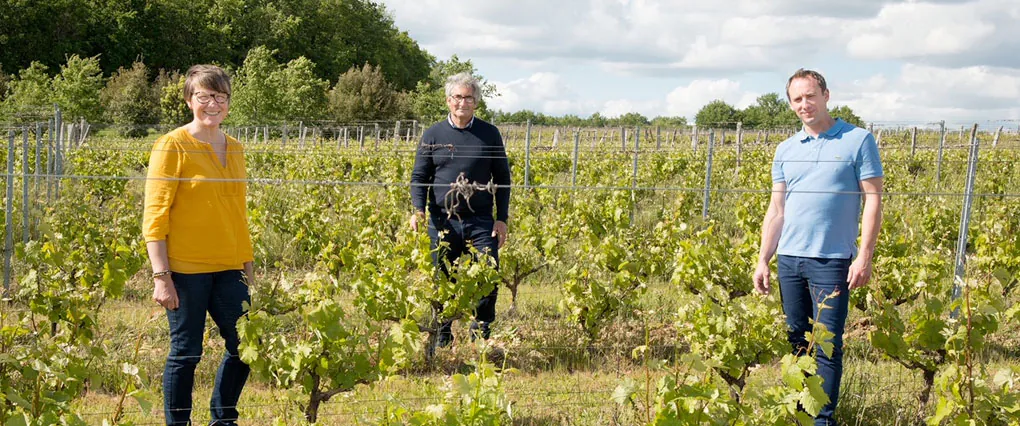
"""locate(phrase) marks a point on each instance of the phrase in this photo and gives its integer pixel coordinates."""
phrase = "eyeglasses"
(204, 98)
(465, 99)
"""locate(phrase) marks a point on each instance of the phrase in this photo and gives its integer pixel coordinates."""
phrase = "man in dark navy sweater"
(462, 152)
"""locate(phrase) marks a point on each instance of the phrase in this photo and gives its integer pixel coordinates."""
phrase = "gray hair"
(463, 79)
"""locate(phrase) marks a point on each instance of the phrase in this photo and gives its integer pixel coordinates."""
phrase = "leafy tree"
(572, 120)
(594, 120)
(847, 115)
(165, 34)
(522, 116)
(339, 34)
(130, 102)
(405, 63)
(30, 93)
(266, 92)
(717, 114)
(787, 118)
(770, 110)
(172, 107)
(669, 121)
(538, 118)
(362, 95)
(632, 119)
(428, 100)
(43, 31)
(5, 84)
(764, 110)
(302, 94)
(333, 34)
(174, 34)
(256, 98)
(76, 89)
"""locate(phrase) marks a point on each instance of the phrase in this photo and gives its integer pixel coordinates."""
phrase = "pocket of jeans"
(826, 272)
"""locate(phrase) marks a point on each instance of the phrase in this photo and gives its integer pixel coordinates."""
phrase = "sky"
(896, 63)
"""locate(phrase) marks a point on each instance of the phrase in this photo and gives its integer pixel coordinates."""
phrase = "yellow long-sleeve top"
(197, 205)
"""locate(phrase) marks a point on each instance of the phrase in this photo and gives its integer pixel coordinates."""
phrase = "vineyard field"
(625, 290)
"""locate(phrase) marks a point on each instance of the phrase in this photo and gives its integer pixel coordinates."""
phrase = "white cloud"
(971, 87)
(722, 56)
(814, 8)
(685, 101)
(927, 93)
(550, 94)
(890, 60)
(634, 36)
(618, 107)
(910, 30)
(779, 30)
(542, 91)
(874, 83)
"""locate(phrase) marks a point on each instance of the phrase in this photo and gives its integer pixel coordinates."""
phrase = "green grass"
(554, 380)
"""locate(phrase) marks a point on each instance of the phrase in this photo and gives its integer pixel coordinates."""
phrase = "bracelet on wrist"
(160, 274)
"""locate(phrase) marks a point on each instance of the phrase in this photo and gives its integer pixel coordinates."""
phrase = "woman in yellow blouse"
(196, 232)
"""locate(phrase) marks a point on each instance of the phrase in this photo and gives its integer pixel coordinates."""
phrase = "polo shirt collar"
(833, 131)
(449, 119)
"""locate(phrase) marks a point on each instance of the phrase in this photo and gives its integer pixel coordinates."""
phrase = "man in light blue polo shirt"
(819, 177)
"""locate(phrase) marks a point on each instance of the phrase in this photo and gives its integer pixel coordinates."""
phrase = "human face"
(206, 107)
(462, 103)
(809, 101)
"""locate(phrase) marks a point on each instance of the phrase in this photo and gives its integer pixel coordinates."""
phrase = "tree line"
(265, 91)
(175, 34)
(292, 60)
(769, 111)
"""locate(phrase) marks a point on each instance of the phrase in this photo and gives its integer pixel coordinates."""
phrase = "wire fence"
(45, 147)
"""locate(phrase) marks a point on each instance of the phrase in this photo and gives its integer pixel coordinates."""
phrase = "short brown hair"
(210, 77)
(803, 73)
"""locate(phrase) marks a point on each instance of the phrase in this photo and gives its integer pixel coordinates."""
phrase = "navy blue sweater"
(444, 153)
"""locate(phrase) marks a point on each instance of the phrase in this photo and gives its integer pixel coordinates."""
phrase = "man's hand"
(164, 293)
(499, 230)
(417, 218)
(860, 272)
(761, 277)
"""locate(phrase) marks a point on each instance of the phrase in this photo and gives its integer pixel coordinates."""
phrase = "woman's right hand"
(164, 293)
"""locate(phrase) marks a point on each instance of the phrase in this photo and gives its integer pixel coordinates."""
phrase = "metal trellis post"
(968, 201)
(708, 175)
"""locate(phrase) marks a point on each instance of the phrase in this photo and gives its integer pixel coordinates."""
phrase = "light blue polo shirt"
(823, 198)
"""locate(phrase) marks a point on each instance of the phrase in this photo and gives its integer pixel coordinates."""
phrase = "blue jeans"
(221, 294)
(803, 283)
(474, 230)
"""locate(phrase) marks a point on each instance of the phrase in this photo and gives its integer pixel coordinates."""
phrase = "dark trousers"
(804, 282)
(473, 230)
(221, 294)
